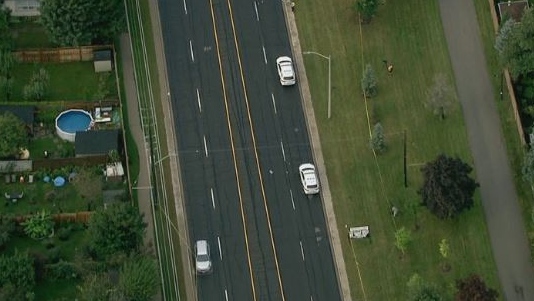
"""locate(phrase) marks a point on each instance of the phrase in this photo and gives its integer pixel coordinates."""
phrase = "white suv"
(284, 64)
(202, 257)
(308, 177)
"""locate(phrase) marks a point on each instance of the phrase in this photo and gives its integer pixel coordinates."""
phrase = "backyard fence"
(508, 79)
(77, 217)
(62, 162)
(58, 55)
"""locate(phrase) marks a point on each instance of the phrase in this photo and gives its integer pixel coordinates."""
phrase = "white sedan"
(284, 64)
(308, 177)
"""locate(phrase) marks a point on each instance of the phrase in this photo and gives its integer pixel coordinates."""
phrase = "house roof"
(96, 142)
(102, 55)
(25, 113)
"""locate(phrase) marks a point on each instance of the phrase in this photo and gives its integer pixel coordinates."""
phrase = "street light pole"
(329, 78)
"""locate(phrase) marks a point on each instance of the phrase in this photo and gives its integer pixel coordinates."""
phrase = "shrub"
(61, 270)
(54, 255)
(63, 233)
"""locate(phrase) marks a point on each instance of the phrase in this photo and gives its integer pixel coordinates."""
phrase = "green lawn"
(28, 34)
(75, 81)
(408, 34)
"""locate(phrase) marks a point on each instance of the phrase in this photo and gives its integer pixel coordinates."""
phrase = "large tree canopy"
(13, 133)
(447, 189)
(473, 288)
(515, 44)
(82, 22)
(118, 228)
(138, 279)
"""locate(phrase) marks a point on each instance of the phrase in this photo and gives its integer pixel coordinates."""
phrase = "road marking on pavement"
(301, 251)
(220, 249)
(283, 151)
(191, 49)
(274, 103)
(205, 147)
(292, 199)
(264, 55)
(232, 143)
(256, 9)
(256, 156)
(226, 294)
(212, 198)
(185, 7)
(198, 100)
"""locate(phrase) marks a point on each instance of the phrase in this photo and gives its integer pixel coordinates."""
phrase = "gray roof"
(97, 142)
(25, 113)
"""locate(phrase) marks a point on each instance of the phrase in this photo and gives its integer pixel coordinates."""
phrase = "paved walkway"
(499, 197)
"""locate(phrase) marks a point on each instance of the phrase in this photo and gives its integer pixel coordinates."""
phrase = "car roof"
(202, 247)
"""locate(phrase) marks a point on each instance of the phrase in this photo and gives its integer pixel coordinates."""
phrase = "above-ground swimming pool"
(71, 121)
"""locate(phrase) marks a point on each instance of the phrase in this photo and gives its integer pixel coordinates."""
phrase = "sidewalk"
(141, 181)
(499, 197)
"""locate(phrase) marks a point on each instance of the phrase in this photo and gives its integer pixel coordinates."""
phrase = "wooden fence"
(508, 79)
(50, 163)
(77, 217)
(58, 55)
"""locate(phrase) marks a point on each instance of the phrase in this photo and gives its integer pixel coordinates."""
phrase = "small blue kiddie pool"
(71, 121)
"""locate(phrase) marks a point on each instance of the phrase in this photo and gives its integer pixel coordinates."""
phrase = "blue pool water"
(74, 121)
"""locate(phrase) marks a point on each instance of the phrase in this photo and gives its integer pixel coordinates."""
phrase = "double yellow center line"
(241, 201)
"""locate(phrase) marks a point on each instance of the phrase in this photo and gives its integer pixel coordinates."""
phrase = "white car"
(308, 177)
(284, 64)
(202, 257)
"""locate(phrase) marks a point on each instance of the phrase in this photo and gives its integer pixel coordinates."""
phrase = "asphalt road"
(241, 137)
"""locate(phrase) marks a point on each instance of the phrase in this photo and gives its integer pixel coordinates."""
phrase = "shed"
(23, 8)
(24, 113)
(97, 143)
(512, 9)
(103, 60)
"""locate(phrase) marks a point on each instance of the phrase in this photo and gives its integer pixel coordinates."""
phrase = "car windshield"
(203, 258)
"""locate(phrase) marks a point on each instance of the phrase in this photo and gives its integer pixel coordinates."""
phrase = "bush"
(63, 233)
(48, 243)
(61, 270)
(54, 255)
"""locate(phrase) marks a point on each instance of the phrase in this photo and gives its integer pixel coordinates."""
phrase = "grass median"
(408, 35)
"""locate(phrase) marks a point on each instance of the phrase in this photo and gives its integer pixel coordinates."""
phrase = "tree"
(447, 188)
(13, 133)
(138, 280)
(118, 228)
(17, 270)
(80, 22)
(7, 61)
(37, 88)
(420, 290)
(6, 37)
(444, 250)
(367, 9)
(439, 96)
(7, 227)
(369, 83)
(98, 287)
(473, 288)
(516, 45)
(411, 204)
(528, 165)
(403, 238)
(378, 140)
